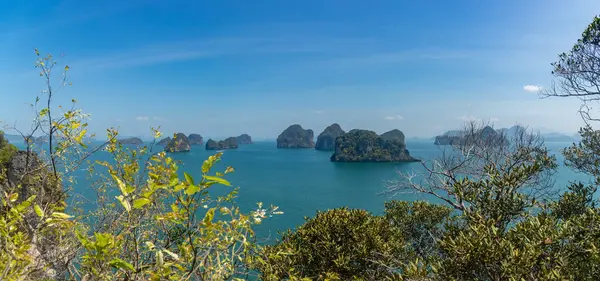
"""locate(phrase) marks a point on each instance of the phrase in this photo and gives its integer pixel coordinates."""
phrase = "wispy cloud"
(395, 117)
(319, 111)
(142, 118)
(403, 56)
(532, 88)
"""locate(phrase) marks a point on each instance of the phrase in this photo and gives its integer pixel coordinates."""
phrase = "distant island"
(228, 143)
(244, 139)
(487, 134)
(179, 143)
(326, 139)
(132, 140)
(164, 141)
(196, 139)
(296, 137)
(366, 146)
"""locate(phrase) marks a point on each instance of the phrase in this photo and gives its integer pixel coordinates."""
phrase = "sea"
(304, 181)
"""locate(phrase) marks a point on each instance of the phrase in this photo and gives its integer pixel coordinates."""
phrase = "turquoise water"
(302, 181)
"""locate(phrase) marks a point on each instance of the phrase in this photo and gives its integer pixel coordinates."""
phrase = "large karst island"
(179, 143)
(366, 146)
(296, 137)
(326, 139)
(228, 143)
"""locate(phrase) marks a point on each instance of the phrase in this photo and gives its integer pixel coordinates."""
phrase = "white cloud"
(319, 111)
(142, 118)
(157, 118)
(532, 88)
(391, 118)
(494, 119)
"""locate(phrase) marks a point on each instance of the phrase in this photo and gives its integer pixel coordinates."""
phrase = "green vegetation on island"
(179, 143)
(366, 146)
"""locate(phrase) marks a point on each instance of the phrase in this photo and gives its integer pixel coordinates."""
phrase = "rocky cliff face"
(179, 143)
(326, 139)
(228, 143)
(367, 146)
(296, 137)
(196, 139)
(244, 139)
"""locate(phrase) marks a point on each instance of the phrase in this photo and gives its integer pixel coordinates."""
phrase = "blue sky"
(222, 68)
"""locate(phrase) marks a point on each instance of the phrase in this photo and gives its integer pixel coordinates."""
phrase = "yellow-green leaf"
(61, 215)
(210, 214)
(150, 245)
(192, 189)
(173, 255)
(188, 178)
(121, 185)
(217, 179)
(119, 263)
(38, 210)
(124, 202)
(13, 197)
(140, 202)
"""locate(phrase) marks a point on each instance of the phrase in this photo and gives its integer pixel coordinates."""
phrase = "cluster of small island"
(356, 145)
(353, 146)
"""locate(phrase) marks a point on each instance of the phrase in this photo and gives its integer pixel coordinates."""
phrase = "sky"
(223, 68)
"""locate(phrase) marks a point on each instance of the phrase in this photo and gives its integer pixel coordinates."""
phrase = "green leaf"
(124, 202)
(208, 218)
(61, 215)
(24, 205)
(188, 178)
(150, 245)
(121, 185)
(217, 179)
(159, 258)
(119, 263)
(38, 210)
(192, 189)
(140, 202)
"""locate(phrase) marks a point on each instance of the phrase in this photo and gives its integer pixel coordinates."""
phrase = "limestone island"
(164, 141)
(244, 139)
(296, 137)
(228, 143)
(326, 139)
(196, 139)
(179, 143)
(133, 141)
(486, 134)
(367, 146)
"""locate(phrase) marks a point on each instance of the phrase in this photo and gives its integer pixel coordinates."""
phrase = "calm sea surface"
(302, 181)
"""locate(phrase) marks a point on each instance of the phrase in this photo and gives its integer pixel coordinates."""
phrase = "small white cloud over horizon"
(157, 118)
(532, 88)
(319, 111)
(494, 119)
(142, 118)
(396, 117)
